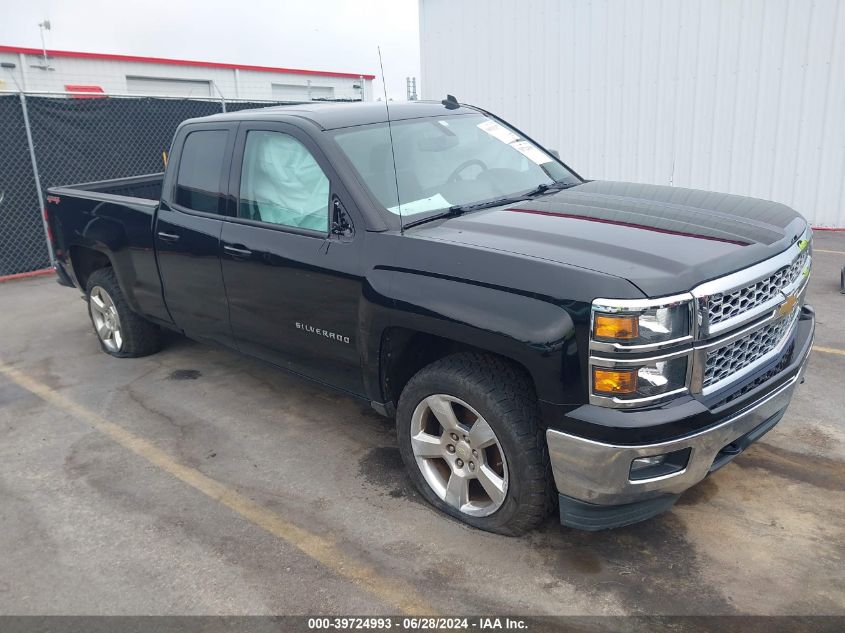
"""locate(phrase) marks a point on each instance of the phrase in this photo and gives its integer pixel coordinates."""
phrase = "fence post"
(220, 94)
(31, 145)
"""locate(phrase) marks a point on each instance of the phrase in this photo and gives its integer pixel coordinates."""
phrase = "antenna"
(451, 103)
(390, 132)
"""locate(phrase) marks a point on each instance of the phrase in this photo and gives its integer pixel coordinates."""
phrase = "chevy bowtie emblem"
(787, 305)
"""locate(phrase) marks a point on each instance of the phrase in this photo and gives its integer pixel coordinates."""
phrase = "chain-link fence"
(22, 243)
(78, 140)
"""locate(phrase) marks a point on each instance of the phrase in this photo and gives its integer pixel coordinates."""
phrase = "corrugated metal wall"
(740, 96)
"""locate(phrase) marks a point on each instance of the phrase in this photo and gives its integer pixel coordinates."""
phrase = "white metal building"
(73, 72)
(740, 96)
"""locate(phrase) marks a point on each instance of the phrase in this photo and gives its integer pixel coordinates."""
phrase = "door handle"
(237, 252)
(168, 237)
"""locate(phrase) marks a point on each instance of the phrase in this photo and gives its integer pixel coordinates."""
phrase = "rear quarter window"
(198, 181)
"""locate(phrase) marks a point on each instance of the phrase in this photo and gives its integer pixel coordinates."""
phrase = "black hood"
(665, 240)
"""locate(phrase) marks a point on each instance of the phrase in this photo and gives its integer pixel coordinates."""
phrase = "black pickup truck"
(542, 340)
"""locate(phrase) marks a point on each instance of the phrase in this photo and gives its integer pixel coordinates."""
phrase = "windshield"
(447, 161)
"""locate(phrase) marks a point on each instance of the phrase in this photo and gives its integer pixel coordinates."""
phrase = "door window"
(201, 171)
(281, 183)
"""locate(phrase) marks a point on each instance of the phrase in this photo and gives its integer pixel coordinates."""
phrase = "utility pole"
(44, 26)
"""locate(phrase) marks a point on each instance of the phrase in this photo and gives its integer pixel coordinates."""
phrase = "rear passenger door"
(293, 288)
(187, 231)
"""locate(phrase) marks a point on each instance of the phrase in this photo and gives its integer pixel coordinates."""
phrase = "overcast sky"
(316, 34)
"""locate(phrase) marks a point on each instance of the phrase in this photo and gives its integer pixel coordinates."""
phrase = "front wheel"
(121, 332)
(468, 434)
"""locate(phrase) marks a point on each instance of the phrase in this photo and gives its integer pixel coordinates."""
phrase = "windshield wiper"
(544, 190)
(460, 209)
(539, 190)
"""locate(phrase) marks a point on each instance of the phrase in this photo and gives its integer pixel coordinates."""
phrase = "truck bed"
(146, 187)
(111, 219)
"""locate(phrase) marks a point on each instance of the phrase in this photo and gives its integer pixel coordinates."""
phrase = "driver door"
(293, 289)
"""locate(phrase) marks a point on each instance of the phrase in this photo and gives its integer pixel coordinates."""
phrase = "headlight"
(649, 323)
(658, 331)
(634, 380)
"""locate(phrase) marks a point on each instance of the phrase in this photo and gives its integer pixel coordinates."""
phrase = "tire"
(486, 388)
(120, 331)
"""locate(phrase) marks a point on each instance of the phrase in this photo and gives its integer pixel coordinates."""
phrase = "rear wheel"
(468, 434)
(121, 332)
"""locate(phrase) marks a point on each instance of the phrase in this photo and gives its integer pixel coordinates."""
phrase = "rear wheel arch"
(85, 261)
(110, 312)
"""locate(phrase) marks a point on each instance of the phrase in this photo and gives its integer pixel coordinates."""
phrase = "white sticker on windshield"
(423, 204)
(532, 153)
(498, 131)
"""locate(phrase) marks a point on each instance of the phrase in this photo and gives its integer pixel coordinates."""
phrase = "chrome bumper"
(599, 473)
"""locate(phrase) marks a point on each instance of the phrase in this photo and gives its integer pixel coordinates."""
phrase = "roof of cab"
(331, 116)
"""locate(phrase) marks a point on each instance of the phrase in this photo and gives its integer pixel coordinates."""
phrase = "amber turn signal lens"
(616, 327)
(614, 381)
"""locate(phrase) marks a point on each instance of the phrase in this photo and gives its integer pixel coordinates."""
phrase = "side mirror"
(555, 153)
(341, 222)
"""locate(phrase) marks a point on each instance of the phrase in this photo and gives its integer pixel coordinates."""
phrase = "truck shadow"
(820, 472)
(382, 467)
(650, 566)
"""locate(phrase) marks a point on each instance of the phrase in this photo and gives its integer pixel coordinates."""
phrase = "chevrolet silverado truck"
(543, 341)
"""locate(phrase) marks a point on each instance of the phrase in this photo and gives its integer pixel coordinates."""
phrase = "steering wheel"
(455, 175)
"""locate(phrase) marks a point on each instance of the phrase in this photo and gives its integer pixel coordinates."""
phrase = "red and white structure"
(88, 74)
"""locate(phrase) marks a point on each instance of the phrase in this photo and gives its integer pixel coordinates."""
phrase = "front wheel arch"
(404, 352)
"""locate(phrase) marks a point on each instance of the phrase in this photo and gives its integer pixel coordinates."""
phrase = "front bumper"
(594, 477)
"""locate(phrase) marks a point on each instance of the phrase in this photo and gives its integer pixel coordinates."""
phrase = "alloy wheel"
(459, 455)
(106, 319)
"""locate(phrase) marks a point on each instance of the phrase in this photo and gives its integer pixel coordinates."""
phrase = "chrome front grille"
(721, 307)
(727, 361)
(741, 326)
